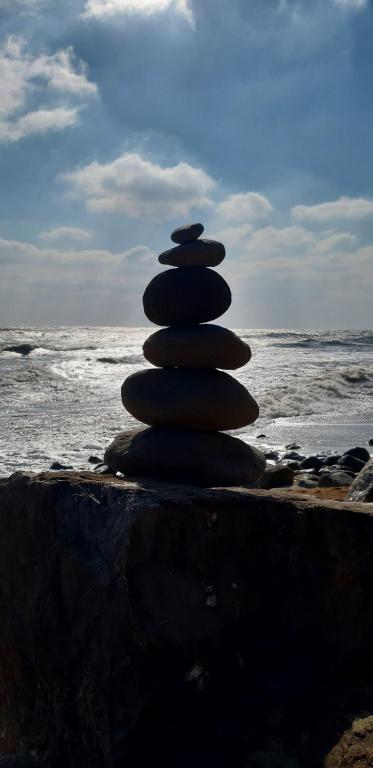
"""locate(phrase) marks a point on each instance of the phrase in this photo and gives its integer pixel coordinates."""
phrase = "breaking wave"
(317, 395)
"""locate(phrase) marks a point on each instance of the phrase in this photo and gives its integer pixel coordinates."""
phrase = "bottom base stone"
(184, 456)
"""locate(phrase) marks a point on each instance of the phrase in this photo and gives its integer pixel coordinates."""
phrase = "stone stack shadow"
(185, 399)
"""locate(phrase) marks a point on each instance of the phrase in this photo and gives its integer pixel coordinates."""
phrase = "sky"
(123, 119)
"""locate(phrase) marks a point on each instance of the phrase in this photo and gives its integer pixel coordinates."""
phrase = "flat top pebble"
(187, 233)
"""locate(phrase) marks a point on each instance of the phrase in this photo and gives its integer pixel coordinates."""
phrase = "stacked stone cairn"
(186, 401)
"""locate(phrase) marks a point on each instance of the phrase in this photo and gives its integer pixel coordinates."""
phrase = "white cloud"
(246, 205)
(101, 9)
(263, 245)
(344, 208)
(66, 233)
(24, 76)
(336, 240)
(138, 187)
(271, 240)
(37, 123)
(48, 263)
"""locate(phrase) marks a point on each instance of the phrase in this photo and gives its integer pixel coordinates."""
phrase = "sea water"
(61, 402)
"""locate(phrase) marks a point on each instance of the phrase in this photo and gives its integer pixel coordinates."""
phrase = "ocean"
(61, 402)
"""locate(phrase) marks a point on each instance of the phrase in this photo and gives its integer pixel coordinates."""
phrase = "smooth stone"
(306, 482)
(184, 456)
(201, 253)
(290, 463)
(271, 455)
(187, 233)
(56, 465)
(292, 447)
(331, 460)
(335, 479)
(194, 399)
(370, 442)
(186, 296)
(362, 487)
(312, 462)
(358, 453)
(21, 349)
(351, 462)
(329, 468)
(293, 456)
(95, 460)
(278, 476)
(196, 346)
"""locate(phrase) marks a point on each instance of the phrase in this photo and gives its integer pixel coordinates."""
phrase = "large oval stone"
(196, 346)
(186, 296)
(201, 253)
(187, 233)
(194, 399)
(184, 456)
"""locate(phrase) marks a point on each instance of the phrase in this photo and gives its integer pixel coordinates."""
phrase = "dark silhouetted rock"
(21, 349)
(196, 346)
(335, 479)
(307, 482)
(370, 442)
(329, 468)
(362, 487)
(291, 463)
(311, 462)
(56, 465)
(351, 462)
(292, 447)
(187, 233)
(194, 399)
(331, 460)
(260, 437)
(146, 624)
(201, 253)
(278, 476)
(292, 455)
(186, 296)
(185, 456)
(358, 453)
(271, 455)
(95, 460)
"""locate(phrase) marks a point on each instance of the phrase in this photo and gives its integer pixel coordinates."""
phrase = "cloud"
(48, 263)
(141, 188)
(272, 240)
(75, 286)
(246, 205)
(285, 242)
(25, 77)
(103, 9)
(65, 233)
(37, 123)
(344, 208)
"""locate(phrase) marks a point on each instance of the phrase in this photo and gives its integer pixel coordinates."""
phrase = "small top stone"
(187, 233)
